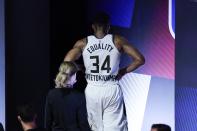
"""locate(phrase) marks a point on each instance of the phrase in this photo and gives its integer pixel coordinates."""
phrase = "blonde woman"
(65, 108)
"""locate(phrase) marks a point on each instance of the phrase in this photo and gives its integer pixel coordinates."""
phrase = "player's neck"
(100, 34)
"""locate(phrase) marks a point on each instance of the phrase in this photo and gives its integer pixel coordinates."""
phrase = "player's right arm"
(76, 51)
(72, 55)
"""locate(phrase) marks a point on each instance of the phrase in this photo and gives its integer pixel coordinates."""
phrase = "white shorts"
(105, 108)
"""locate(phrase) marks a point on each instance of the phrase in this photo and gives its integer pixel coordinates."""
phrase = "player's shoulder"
(83, 40)
(118, 41)
(81, 43)
(118, 38)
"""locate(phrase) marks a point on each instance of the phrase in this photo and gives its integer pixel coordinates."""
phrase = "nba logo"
(171, 17)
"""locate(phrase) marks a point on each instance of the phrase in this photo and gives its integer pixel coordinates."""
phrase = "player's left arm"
(137, 57)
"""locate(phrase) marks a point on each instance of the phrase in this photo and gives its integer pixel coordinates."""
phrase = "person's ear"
(19, 118)
(35, 116)
(108, 28)
(93, 27)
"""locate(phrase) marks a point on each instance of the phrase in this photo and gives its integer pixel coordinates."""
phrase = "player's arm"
(76, 51)
(137, 57)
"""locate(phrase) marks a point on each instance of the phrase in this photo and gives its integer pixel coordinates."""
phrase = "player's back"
(101, 59)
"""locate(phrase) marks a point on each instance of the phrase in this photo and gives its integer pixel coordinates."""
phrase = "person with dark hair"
(160, 127)
(101, 55)
(27, 117)
(66, 108)
(1, 127)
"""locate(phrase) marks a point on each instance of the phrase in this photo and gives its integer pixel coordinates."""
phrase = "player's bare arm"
(138, 59)
(76, 51)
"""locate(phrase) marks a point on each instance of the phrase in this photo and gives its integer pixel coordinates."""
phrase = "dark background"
(186, 43)
(186, 65)
(38, 35)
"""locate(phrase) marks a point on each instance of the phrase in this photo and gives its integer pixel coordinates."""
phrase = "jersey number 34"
(105, 64)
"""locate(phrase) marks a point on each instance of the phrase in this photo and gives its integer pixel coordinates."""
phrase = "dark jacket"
(65, 110)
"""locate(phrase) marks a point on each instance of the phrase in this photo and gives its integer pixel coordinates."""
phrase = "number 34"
(105, 65)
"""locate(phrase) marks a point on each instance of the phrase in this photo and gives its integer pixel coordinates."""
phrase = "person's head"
(67, 75)
(101, 22)
(160, 127)
(27, 116)
(1, 127)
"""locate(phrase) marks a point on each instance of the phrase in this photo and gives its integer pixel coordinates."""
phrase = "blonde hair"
(66, 70)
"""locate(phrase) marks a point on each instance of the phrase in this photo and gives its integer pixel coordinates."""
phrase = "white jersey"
(101, 59)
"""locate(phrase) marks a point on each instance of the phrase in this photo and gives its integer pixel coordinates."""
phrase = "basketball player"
(101, 55)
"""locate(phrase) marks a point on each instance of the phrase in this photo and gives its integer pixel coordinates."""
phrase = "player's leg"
(94, 108)
(114, 118)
